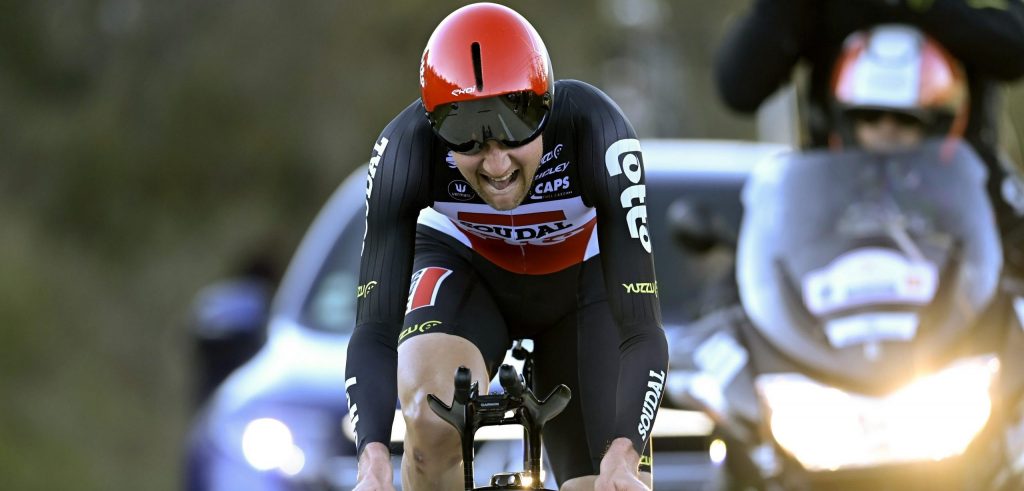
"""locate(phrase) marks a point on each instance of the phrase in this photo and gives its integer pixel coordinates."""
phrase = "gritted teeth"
(504, 178)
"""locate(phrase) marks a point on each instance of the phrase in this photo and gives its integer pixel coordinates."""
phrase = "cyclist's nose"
(496, 159)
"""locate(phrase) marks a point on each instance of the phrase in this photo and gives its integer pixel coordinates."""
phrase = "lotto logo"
(624, 157)
(424, 287)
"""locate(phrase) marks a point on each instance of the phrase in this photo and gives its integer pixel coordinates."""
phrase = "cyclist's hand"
(619, 468)
(375, 472)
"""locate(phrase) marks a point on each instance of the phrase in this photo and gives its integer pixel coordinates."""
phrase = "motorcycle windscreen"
(857, 265)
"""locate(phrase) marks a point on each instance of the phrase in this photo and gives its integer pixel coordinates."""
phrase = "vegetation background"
(146, 145)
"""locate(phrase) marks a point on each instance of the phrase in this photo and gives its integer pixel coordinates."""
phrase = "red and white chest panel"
(534, 238)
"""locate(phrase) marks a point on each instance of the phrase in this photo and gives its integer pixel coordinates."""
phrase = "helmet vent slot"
(477, 67)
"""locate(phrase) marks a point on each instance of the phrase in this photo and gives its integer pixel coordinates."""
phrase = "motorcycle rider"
(515, 204)
(774, 36)
(892, 87)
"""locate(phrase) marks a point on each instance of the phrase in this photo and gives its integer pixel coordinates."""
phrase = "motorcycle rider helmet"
(485, 74)
(899, 70)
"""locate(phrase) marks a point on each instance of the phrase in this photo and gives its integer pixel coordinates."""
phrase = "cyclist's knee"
(432, 443)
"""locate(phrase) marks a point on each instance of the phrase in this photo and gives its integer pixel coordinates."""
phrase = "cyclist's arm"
(397, 189)
(987, 34)
(758, 54)
(612, 180)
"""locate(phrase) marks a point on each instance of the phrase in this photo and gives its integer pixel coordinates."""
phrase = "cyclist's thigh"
(576, 439)
(450, 320)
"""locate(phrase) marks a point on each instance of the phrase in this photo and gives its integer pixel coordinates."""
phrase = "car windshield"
(331, 303)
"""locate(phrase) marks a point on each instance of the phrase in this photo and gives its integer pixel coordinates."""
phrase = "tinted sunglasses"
(513, 119)
(872, 116)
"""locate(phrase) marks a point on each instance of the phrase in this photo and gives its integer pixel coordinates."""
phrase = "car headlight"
(932, 418)
(268, 444)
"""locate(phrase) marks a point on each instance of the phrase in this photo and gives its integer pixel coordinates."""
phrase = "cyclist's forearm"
(371, 384)
(643, 366)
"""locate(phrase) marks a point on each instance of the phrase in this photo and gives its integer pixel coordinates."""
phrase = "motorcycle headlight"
(933, 418)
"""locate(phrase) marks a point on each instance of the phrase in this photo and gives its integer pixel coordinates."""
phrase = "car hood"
(297, 365)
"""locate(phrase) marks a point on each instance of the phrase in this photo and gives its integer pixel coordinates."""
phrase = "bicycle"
(469, 411)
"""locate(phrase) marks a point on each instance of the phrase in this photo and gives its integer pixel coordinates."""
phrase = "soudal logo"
(460, 190)
(353, 409)
(651, 401)
(554, 170)
(641, 287)
(463, 91)
(624, 157)
(364, 290)
(418, 329)
(378, 153)
(553, 154)
(535, 228)
(555, 187)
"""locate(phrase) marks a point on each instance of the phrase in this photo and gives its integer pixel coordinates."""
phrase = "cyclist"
(516, 206)
(892, 87)
(986, 36)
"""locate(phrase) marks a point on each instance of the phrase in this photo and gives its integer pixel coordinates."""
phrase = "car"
(276, 422)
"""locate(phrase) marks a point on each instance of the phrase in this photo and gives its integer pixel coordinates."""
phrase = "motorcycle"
(874, 345)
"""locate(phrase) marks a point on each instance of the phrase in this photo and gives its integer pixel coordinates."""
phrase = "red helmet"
(485, 74)
(897, 68)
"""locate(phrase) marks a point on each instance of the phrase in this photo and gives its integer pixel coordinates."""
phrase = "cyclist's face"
(887, 132)
(499, 174)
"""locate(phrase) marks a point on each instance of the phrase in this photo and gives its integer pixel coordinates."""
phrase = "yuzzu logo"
(418, 329)
(364, 290)
(624, 157)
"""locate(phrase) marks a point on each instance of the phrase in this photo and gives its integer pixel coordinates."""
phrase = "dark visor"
(513, 119)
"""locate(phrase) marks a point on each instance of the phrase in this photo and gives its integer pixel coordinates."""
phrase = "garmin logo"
(624, 157)
(378, 152)
(651, 401)
(460, 190)
(553, 154)
(463, 91)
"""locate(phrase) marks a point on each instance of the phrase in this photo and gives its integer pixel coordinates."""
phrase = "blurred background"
(148, 147)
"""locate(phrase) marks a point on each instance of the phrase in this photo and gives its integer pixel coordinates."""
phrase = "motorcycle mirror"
(696, 228)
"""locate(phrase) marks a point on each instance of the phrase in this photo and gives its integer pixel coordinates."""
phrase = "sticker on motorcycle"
(869, 276)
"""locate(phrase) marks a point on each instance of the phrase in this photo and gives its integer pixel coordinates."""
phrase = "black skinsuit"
(571, 267)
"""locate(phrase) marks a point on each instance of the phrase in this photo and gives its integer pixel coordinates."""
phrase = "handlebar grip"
(463, 380)
(510, 380)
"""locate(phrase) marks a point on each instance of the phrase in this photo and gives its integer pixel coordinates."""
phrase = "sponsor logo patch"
(540, 228)
(424, 287)
(371, 172)
(418, 329)
(652, 398)
(641, 287)
(364, 290)
(553, 154)
(554, 170)
(553, 188)
(624, 157)
(460, 190)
